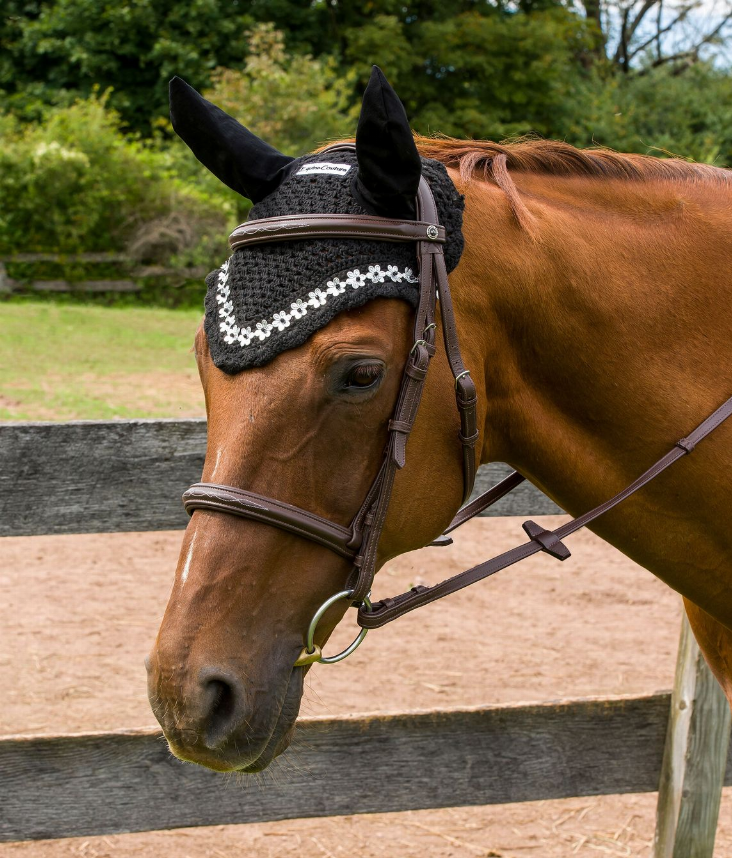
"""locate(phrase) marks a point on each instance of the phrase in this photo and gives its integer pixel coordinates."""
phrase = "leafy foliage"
(663, 113)
(293, 102)
(76, 183)
(133, 47)
(501, 75)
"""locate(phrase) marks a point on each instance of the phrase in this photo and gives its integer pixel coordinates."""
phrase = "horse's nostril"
(224, 701)
(222, 704)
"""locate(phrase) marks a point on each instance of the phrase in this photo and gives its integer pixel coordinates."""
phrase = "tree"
(134, 48)
(492, 73)
(661, 113)
(645, 34)
(293, 102)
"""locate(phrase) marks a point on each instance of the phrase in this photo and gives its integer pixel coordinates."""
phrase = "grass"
(70, 362)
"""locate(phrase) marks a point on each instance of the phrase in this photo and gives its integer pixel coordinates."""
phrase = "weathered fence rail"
(89, 477)
(108, 783)
(128, 475)
(132, 283)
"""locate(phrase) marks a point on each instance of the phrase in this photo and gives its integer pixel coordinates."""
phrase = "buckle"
(461, 375)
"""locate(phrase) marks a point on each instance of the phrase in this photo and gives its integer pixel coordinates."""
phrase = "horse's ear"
(230, 151)
(389, 166)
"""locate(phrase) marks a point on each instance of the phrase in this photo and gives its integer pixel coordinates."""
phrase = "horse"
(592, 301)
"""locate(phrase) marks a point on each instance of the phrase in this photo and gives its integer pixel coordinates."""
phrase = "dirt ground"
(80, 612)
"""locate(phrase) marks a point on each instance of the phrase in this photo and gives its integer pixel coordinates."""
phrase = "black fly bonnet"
(273, 296)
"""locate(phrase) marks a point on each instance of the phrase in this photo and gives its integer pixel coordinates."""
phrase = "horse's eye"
(364, 375)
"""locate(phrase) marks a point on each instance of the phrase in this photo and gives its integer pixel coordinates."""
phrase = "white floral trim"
(234, 333)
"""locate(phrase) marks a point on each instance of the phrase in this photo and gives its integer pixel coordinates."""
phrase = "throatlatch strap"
(465, 393)
(482, 502)
(541, 540)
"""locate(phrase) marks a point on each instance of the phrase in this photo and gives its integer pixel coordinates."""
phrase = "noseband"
(359, 542)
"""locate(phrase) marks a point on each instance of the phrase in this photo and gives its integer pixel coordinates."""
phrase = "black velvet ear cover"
(230, 151)
(389, 165)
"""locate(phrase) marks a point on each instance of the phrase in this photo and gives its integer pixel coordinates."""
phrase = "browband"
(297, 227)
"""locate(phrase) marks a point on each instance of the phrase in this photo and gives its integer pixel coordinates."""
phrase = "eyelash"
(370, 373)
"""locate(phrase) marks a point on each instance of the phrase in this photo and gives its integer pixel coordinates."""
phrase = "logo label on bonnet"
(324, 167)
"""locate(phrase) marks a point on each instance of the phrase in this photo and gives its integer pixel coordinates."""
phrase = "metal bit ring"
(311, 652)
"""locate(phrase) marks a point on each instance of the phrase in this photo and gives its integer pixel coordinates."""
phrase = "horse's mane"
(556, 158)
(493, 161)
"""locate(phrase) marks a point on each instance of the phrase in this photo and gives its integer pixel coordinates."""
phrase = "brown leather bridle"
(359, 542)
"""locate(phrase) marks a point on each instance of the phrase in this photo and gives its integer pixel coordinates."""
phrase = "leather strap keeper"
(548, 540)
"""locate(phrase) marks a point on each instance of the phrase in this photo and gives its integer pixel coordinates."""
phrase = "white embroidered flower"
(409, 276)
(228, 307)
(335, 287)
(299, 309)
(392, 271)
(355, 279)
(232, 332)
(317, 298)
(376, 275)
(281, 320)
(245, 337)
(264, 329)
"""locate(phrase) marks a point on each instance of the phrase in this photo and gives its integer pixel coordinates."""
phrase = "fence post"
(6, 284)
(694, 759)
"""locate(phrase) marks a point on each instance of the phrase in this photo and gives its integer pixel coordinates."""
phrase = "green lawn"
(67, 362)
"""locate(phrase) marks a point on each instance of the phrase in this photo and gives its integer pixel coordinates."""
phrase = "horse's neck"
(600, 336)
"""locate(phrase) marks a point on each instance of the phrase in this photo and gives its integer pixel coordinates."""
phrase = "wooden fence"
(128, 476)
(133, 283)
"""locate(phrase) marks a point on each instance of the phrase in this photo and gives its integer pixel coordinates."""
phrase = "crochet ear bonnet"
(271, 297)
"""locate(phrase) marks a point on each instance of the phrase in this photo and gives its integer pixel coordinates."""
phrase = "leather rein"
(359, 542)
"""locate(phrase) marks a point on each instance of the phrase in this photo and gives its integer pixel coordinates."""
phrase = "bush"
(75, 183)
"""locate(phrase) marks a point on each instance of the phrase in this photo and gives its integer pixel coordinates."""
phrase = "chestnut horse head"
(306, 424)
(592, 300)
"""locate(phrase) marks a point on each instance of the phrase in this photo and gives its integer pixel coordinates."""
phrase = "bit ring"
(311, 652)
